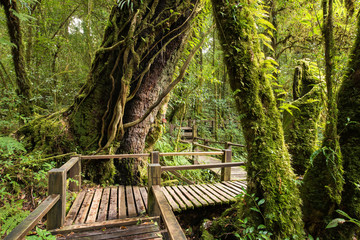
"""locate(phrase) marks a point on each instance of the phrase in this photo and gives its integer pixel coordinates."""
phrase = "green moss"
(300, 126)
(270, 176)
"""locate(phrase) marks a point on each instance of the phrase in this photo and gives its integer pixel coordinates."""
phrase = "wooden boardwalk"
(237, 173)
(102, 204)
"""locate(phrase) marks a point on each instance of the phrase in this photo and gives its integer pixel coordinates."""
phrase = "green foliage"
(11, 214)
(41, 235)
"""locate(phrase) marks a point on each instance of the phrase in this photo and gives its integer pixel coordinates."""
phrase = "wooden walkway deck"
(102, 204)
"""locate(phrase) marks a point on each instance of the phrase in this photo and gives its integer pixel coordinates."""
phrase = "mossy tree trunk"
(323, 181)
(349, 131)
(136, 61)
(270, 176)
(300, 126)
(17, 50)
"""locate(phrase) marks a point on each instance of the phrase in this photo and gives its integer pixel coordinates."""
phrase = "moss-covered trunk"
(300, 126)
(17, 50)
(270, 176)
(135, 62)
(323, 181)
(349, 132)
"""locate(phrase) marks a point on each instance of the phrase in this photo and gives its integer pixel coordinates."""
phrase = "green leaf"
(255, 209)
(261, 202)
(335, 222)
(5, 42)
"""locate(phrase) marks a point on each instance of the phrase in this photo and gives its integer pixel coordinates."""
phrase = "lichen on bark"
(300, 126)
(270, 176)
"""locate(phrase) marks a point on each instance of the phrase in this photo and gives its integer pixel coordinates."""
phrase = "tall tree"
(113, 111)
(17, 50)
(323, 181)
(270, 176)
(349, 131)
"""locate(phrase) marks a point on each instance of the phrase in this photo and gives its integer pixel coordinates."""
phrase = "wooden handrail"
(201, 166)
(30, 221)
(158, 205)
(135, 155)
(191, 153)
(69, 164)
(206, 147)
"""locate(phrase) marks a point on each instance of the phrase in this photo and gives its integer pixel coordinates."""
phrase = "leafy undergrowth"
(23, 183)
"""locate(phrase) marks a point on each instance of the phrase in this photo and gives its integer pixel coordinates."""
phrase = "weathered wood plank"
(188, 195)
(130, 202)
(239, 183)
(104, 205)
(209, 188)
(190, 154)
(140, 207)
(30, 221)
(229, 190)
(236, 188)
(196, 196)
(74, 208)
(208, 193)
(235, 184)
(175, 197)
(137, 155)
(220, 192)
(57, 185)
(205, 166)
(69, 164)
(105, 224)
(171, 201)
(204, 196)
(94, 208)
(122, 202)
(81, 217)
(174, 230)
(113, 209)
(182, 197)
(75, 175)
(144, 196)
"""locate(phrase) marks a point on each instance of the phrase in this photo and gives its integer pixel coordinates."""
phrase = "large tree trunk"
(323, 181)
(136, 60)
(17, 50)
(349, 131)
(270, 176)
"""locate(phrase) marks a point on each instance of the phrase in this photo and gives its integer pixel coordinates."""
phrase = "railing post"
(226, 171)
(57, 185)
(194, 132)
(228, 145)
(154, 157)
(154, 178)
(75, 174)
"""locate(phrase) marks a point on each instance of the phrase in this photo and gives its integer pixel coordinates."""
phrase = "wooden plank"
(75, 207)
(203, 195)
(81, 217)
(104, 205)
(57, 185)
(236, 184)
(188, 195)
(190, 153)
(21, 230)
(175, 197)
(230, 190)
(144, 196)
(137, 155)
(75, 175)
(94, 208)
(206, 147)
(170, 200)
(140, 207)
(130, 202)
(113, 209)
(232, 186)
(203, 166)
(111, 233)
(105, 224)
(182, 197)
(240, 183)
(221, 192)
(174, 229)
(209, 193)
(122, 202)
(196, 196)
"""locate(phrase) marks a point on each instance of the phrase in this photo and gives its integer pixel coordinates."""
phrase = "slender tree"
(270, 176)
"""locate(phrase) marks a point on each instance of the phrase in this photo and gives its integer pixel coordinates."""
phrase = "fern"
(9, 146)
(11, 215)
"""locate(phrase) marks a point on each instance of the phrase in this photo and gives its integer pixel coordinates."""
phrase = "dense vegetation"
(281, 77)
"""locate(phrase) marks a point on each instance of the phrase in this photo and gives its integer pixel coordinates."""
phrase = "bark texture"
(17, 50)
(270, 176)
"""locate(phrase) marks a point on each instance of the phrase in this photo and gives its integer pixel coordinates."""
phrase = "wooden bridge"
(128, 212)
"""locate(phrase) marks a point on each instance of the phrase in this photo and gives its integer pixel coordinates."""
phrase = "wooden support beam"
(75, 175)
(57, 185)
(21, 230)
(174, 229)
(226, 171)
(201, 166)
(154, 178)
(207, 147)
(154, 157)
